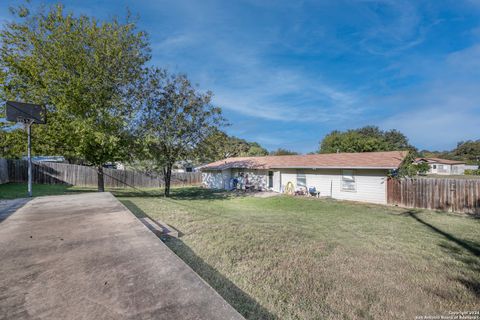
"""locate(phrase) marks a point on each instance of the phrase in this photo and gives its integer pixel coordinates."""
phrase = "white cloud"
(306, 99)
(467, 59)
(442, 109)
(437, 127)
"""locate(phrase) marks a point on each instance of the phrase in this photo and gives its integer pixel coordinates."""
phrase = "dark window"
(270, 179)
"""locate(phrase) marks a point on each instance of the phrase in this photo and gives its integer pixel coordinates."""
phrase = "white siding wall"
(216, 179)
(447, 169)
(259, 178)
(458, 169)
(437, 168)
(226, 176)
(370, 184)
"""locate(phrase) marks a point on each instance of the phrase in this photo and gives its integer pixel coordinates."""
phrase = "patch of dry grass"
(293, 258)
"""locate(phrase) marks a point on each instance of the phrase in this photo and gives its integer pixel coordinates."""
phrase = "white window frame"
(303, 177)
(349, 183)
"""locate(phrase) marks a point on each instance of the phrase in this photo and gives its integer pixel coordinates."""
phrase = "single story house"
(348, 176)
(443, 166)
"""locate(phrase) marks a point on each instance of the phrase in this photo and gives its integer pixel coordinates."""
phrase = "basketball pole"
(29, 155)
(28, 114)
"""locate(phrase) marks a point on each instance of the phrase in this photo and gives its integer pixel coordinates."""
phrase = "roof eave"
(306, 167)
(334, 167)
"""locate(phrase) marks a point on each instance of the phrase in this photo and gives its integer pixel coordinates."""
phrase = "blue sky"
(288, 72)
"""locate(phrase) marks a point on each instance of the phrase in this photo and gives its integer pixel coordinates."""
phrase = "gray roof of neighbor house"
(438, 160)
(359, 160)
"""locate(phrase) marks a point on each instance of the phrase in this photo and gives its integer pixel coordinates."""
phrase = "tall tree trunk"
(167, 174)
(100, 182)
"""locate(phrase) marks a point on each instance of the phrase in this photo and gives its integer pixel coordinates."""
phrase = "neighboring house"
(349, 176)
(443, 166)
(183, 166)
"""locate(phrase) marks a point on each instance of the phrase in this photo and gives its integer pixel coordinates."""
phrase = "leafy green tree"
(85, 71)
(422, 167)
(173, 120)
(366, 139)
(468, 151)
(395, 140)
(409, 168)
(255, 150)
(218, 145)
(12, 142)
(282, 152)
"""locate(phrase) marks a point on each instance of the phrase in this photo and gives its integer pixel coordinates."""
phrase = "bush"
(472, 172)
(423, 168)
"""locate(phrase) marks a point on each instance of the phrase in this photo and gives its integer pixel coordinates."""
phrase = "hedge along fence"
(84, 176)
(456, 195)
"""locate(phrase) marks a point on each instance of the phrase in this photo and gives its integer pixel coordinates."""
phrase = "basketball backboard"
(26, 112)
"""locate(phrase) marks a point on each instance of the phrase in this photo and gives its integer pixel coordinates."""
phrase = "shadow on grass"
(236, 297)
(185, 193)
(139, 213)
(181, 193)
(472, 263)
(452, 246)
(470, 246)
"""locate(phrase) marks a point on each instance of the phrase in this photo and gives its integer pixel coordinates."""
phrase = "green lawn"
(297, 258)
(19, 190)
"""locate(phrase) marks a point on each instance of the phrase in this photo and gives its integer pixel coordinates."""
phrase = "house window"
(301, 179)
(348, 181)
(434, 166)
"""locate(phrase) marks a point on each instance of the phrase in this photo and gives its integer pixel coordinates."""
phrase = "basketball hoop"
(28, 114)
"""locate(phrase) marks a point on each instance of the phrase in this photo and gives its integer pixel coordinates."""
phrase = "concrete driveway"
(86, 256)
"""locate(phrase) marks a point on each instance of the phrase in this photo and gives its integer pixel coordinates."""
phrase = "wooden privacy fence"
(3, 171)
(84, 176)
(456, 195)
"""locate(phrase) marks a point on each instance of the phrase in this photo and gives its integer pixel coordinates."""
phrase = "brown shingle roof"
(367, 160)
(438, 160)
